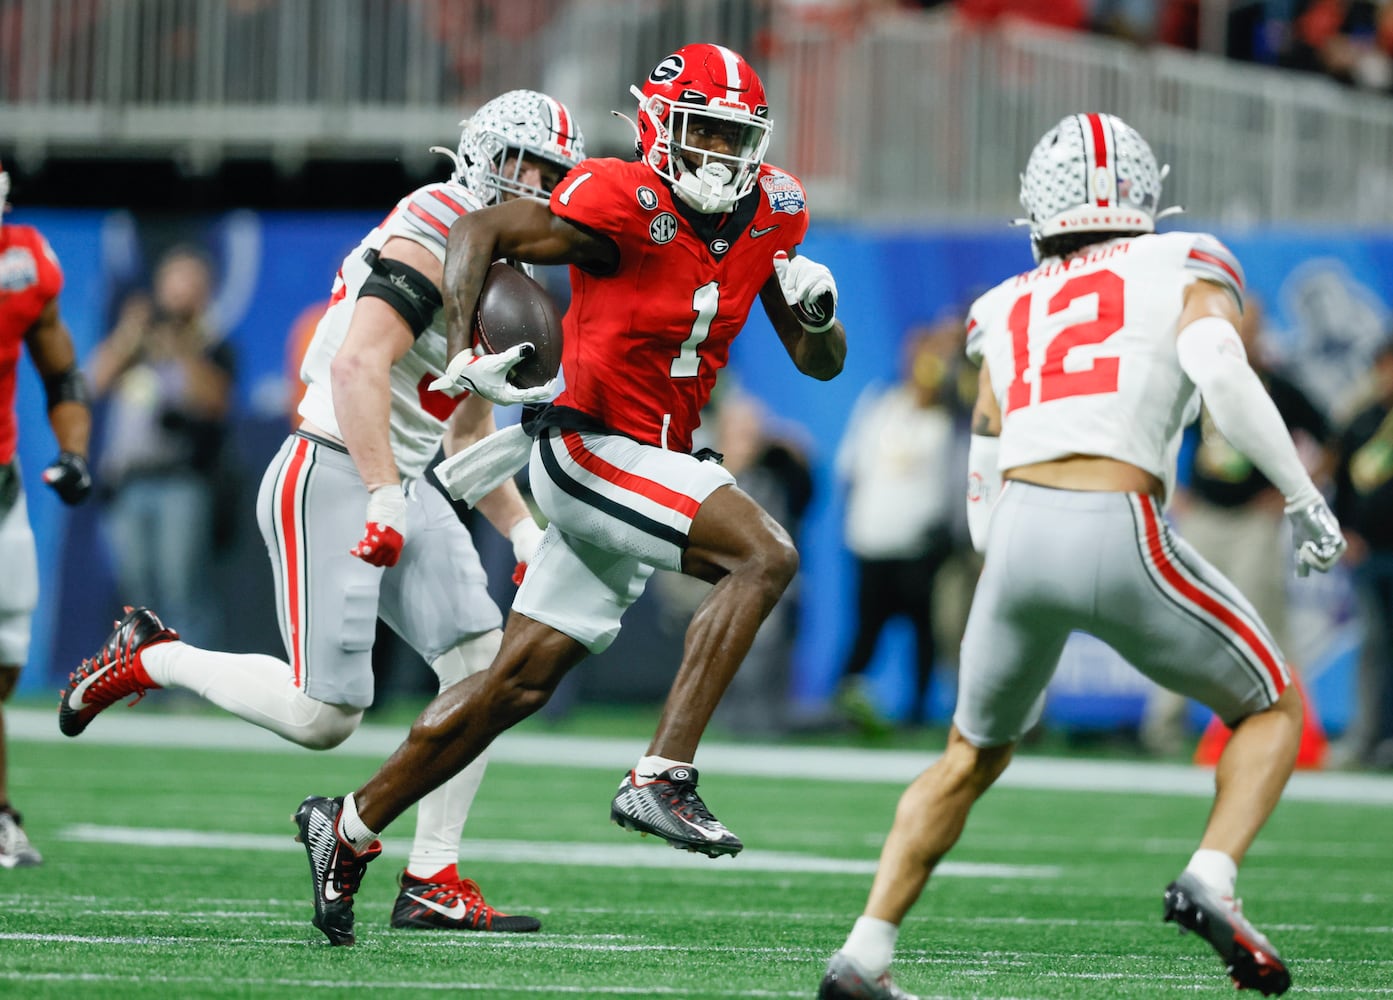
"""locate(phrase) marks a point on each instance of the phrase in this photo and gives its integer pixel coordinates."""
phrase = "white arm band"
(1211, 354)
(983, 486)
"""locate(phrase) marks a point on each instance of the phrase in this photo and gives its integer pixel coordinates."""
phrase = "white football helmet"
(520, 121)
(1091, 173)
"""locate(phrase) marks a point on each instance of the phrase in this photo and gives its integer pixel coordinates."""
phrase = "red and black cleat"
(114, 673)
(454, 905)
(1252, 962)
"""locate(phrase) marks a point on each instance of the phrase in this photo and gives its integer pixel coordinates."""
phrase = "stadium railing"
(898, 115)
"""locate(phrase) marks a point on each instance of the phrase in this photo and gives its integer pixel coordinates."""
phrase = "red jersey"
(643, 344)
(29, 279)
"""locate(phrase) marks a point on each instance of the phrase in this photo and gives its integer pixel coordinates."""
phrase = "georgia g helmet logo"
(669, 69)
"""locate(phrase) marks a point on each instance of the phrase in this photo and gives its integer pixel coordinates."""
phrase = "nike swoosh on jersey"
(757, 233)
(455, 912)
(75, 701)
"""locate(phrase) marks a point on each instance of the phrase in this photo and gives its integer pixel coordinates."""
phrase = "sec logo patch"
(663, 228)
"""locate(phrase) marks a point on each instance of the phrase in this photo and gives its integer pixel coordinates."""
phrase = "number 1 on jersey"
(1054, 381)
(705, 301)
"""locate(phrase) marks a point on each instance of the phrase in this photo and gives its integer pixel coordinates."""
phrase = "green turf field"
(171, 872)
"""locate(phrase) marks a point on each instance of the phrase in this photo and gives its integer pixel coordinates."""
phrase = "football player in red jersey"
(30, 280)
(667, 255)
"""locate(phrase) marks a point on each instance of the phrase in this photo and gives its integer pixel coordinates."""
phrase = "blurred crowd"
(1350, 41)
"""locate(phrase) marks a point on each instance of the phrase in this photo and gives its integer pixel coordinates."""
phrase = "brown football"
(513, 309)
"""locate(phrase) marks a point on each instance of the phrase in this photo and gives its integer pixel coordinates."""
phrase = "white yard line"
(538, 852)
(119, 727)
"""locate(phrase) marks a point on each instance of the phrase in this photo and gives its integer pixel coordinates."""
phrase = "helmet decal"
(669, 69)
(495, 139)
(1091, 173)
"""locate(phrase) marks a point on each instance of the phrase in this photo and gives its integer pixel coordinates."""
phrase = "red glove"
(383, 534)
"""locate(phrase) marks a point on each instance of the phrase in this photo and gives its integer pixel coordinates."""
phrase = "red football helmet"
(704, 95)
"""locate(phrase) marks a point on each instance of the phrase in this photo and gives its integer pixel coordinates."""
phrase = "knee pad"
(324, 726)
(468, 658)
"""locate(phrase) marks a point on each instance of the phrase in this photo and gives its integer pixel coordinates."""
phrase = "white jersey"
(1082, 352)
(418, 415)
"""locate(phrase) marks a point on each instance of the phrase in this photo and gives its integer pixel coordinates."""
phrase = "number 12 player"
(1092, 363)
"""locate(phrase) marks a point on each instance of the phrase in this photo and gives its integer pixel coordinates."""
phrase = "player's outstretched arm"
(1211, 353)
(51, 349)
(523, 229)
(800, 299)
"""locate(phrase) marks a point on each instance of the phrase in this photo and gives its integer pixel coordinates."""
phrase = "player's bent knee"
(326, 726)
(973, 766)
(467, 659)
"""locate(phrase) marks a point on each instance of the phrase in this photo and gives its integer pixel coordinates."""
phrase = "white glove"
(487, 375)
(809, 291)
(525, 536)
(1316, 535)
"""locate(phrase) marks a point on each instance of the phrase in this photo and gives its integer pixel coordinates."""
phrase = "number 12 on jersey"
(1049, 373)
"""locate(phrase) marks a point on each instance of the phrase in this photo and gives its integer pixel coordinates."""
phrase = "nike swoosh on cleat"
(455, 912)
(81, 689)
(757, 233)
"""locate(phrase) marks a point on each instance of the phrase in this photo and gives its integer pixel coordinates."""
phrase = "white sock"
(1215, 869)
(871, 944)
(255, 687)
(351, 827)
(652, 766)
(440, 819)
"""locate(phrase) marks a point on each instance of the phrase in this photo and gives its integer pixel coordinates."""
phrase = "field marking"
(853, 764)
(1176, 981)
(538, 852)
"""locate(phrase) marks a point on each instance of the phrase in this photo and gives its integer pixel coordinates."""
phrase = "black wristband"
(66, 387)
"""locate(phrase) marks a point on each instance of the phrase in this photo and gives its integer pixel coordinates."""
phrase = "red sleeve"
(591, 195)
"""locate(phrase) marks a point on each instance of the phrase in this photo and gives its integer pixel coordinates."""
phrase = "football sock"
(352, 828)
(450, 873)
(255, 687)
(440, 818)
(871, 944)
(1215, 869)
(650, 766)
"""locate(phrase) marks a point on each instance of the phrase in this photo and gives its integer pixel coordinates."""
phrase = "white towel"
(485, 465)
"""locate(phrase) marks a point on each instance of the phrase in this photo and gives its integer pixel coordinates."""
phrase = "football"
(513, 309)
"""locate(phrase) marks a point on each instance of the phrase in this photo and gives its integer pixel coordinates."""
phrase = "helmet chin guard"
(1091, 173)
(704, 88)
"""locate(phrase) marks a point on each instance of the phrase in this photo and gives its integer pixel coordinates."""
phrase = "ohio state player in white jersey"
(372, 420)
(1091, 365)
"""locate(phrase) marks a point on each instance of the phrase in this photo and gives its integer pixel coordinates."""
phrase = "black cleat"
(845, 980)
(1252, 962)
(115, 672)
(453, 906)
(335, 869)
(668, 806)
